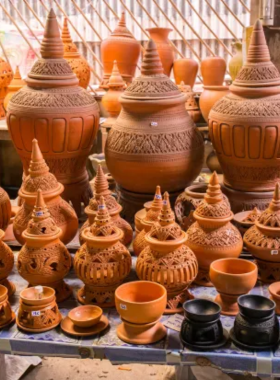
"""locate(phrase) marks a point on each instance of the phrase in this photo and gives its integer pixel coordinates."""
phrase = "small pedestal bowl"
(85, 316)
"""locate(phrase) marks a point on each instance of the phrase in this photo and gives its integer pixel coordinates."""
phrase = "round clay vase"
(185, 70)
(5, 209)
(274, 290)
(232, 278)
(141, 305)
(16, 84)
(60, 114)
(245, 219)
(209, 96)
(6, 76)
(191, 104)
(236, 62)
(244, 124)
(164, 48)
(6, 265)
(213, 71)
(6, 313)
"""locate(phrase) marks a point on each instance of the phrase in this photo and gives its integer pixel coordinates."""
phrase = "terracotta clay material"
(213, 163)
(85, 316)
(236, 62)
(5, 209)
(6, 76)
(213, 71)
(60, 114)
(44, 259)
(16, 84)
(185, 70)
(6, 314)
(212, 236)
(140, 215)
(209, 97)
(68, 327)
(6, 265)
(191, 104)
(274, 290)
(141, 305)
(245, 219)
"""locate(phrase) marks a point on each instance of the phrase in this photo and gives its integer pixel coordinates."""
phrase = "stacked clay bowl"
(7, 316)
(274, 290)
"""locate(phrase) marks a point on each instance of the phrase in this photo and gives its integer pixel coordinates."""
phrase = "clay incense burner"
(40, 178)
(245, 219)
(44, 259)
(102, 262)
(141, 305)
(6, 265)
(16, 84)
(6, 76)
(185, 70)
(212, 236)
(191, 104)
(274, 290)
(7, 316)
(167, 260)
(5, 209)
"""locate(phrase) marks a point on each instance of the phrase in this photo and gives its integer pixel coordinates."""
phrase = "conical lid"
(121, 29)
(270, 218)
(116, 81)
(252, 216)
(17, 81)
(70, 49)
(155, 209)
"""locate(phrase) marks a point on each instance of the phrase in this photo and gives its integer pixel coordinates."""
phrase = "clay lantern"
(122, 47)
(5, 209)
(212, 236)
(76, 61)
(40, 178)
(102, 262)
(167, 260)
(6, 76)
(191, 104)
(60, 114)
(101, 189)
(6, 265)
(16, 84)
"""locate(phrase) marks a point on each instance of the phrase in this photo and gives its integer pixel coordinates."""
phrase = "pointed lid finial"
(40, 211)
(52, 46)
(65, 34)
(258, 49)
(275, 203)
(37, 165)
(102, 225)
(116, 80)
(121, 28)
(122, 20)
(17, 73)
(166, 215)
(213, 192)
(101, 185)
(151, 64)
(154, 211)
(270, 218)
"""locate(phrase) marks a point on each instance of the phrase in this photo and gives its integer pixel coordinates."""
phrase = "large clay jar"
(102, 262)
(244, 125)
(212, 236)
(6, 265)
(122, 47)
(236, 62)
(40, 178)
(164, 48)
(101, 189)
(185, 70)
(209, 96)
(191, 104)
(213, 71)
(6, 76)
(154, 146)
(76, 61)
(5, 209)
(16, 84)
(44, 259)
(6, 313)
(167, 259)
(63, 117)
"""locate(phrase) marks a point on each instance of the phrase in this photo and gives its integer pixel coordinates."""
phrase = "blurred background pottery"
(185, 70)
(6, 265)
(274, 290)
(15, 85)
(245, 219)
(213, 71)
(236, 62)
(213, 163)
(210, 96)
(191, 103)
(5, 209)
(7, 316)
(6, 76)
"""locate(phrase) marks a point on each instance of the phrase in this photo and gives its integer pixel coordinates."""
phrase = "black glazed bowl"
(255, 306)
(202, 310)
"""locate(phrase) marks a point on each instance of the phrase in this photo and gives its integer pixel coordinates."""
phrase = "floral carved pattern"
(151, 87)
(258, 73)
(51, 67)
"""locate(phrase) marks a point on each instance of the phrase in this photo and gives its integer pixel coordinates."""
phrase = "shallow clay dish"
(29, 296)
(255, 306)
(69, 328)
(85, 316)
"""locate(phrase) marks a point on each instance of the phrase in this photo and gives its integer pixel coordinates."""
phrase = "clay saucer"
(244, 346)
(68, 327)
(198, 347)
(39, 330)
(9, 322)
(147, 333)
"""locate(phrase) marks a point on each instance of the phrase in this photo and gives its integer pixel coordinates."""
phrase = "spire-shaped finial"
(214, 193)
(52, 46)
(157, 201)
(40, 211)
(65, 34)
(166, 214)
(151, 64)
(101, 185)
(122, 20)
(17, 73)
(275, 203)
(116, 79)
(37, 165)
(102, 225)
(258, 49)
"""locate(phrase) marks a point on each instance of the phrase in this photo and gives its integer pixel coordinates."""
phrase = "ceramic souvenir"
(236, 62)
(7, 316)
(5, 209)
(140, 215)
(6, 265)
(16, 84)
(191, 104)
(245, 219)
(185, 70)
(68, 327)
(274, 290)
(213, 71)
(6, 76)
(86, 315)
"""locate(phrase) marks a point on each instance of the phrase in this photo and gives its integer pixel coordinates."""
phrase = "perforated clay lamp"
(44, 259)
(6, 265)
(40, 178)
(102, 262)
(6, 76)
(167, 260)
(16, 84)
(101, 189)
(213, 236)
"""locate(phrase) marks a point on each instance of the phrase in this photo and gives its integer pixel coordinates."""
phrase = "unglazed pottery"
(245, 219)
(16, 84)
(5, 209)
(167, 260)
(213, 163)
(69, 327)
(209, 96)
(213, 71)
(63, 117)
(191, 104)
(40, 178)
(274, 290)
(244, 125)
(6, 313)
(102, 262)
(140, 215)
(6, 265)
(212, 236)
(6, 76)
(236, 62)
(122, 47)
(185, 70)
(38, 311)
(85, 316)
(232, 278)
(76, 61)
(154, 146)
(141, 305)
(44, 259)
(101, 189)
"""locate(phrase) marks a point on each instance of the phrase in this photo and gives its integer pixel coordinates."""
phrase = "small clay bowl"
(29, 296)
(255, 306)
(3, 293)
(274, 290)
(202, 310)
(85, 316)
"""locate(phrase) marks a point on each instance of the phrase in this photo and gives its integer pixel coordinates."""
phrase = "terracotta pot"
(40, 178)
(6, 313)
(209, 97)
(232, 278)
(5, 209)
(76, 61)
(102, 262)
(185, 70)
(167, 260)
(44, 259)
(212, 236)
(122, 47)
(154, 147)
(274, 290)
(7, 264)
(141, 305)
(63, 116)
(140, 215)
(15, 85)
(164, 48)
(191, 104)
(243, 125)
(245, 219)
(6, 76)
(213, 71)
(236, 62)
(85, 316)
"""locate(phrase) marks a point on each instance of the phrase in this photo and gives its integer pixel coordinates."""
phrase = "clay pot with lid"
(191, 104)
(40, 178)
(5, 209)
(167, 260)
(213, 71)
(60, 114)
(6, 314)
(212, 236)
(16, 84)
(185, 70)
(6, 265)
(6, 76)
(44, 259)
(102, 262)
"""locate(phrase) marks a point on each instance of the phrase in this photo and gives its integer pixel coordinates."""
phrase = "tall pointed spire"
(156, 206)
(213, 192)
(52, 46)
(122, 20)
(121, 28)
(40, 211)
(275, 203)
(258, 49)
(37, 165)
(102, 225)
(116, 79)
(101, 185)
(65, 34)
(166, 215)
(151, 64)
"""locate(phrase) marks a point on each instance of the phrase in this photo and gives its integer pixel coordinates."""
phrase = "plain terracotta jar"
(44, 259)
(236, 62)
(191, 104)
(274, 290)
(185, 70)
(6, 313)
(164, 48)
(16, 84)
(232, 278)
(212, 236)
(210, 96)
(6, 76)
(213, 71)
(122, 47)
(6, 265)
(5, 209)
(40, 178)
(60, 114)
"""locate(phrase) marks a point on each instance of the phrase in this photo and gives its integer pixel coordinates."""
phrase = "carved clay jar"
(101, 189)
(16, 84)
(44, 259)
(185, 70)
(167, 259)
(102, 262)
(191, 104)
(151, 217)
(122, 47)
(6, 265)
(154, 138)
(6, 76)
(213, 71)
(209, 96)
(212, 236)
(236, 62)
(63, 117)
(40, 178)
(245, 219)
(164, 48)
(6, 313)
(76, 61)
(244, 125)
(5, 209)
